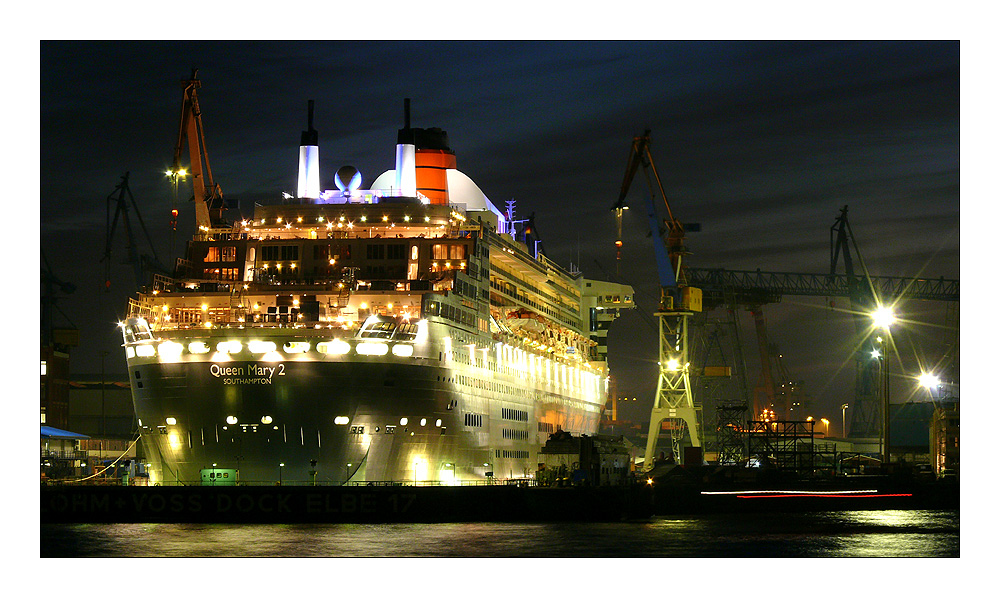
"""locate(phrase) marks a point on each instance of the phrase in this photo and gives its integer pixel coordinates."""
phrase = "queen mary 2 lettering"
(409, 331)
(250, 374)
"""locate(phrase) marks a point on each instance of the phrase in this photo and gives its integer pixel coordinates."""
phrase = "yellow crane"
(678, 302)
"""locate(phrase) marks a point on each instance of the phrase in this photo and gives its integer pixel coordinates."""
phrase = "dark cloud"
(760, 143)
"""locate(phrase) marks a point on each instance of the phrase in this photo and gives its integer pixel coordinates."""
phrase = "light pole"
(843, 418)
(827, 422)
(883, 318)
(281, 466)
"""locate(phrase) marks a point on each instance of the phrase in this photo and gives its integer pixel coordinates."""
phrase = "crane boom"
(208, 204)
(673, 400)
(668, 258)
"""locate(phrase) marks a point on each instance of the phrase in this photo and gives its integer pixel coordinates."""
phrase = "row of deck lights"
(268, 349)
(341, 223)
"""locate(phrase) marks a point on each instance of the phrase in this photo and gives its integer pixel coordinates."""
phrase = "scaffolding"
(785, 445)
(731, 434)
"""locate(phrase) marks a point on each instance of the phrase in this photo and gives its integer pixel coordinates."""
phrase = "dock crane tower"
(869, 415)
(142, 264)
(678, 302)
(208, 200)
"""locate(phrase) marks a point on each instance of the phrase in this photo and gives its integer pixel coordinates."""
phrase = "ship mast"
(208, 203)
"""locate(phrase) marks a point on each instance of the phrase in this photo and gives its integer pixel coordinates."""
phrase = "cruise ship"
(407, 331)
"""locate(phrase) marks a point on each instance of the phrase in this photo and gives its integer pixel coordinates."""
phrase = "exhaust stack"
(406, 173)
(309, 161)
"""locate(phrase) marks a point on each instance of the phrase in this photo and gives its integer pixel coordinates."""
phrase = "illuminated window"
(43, 369)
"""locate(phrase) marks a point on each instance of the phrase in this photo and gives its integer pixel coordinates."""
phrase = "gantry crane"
(678, 302)
(208, 201)
(729, 287)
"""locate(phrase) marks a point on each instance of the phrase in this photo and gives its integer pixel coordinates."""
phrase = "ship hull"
(313, 418)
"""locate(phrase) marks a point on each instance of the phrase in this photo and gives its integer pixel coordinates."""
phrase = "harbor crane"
(141, 263)
(208, 200)
(678, 302)
(52, 286)
(865, 292)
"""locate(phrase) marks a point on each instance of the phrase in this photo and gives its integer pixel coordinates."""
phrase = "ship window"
(375, 251)
(440, 252)
(456, 252)
(270, 252)
(378, 329)
(228, 254)
(289, 252)
(406, 332)
(396, 252)
(212, 255)
(414, 252)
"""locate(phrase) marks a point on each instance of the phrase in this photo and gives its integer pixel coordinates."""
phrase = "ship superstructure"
(406, 332)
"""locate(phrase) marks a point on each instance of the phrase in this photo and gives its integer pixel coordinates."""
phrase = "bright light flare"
(402, 350)
(376, 349)
(170, 350)
(261, 346)
(883, 317)
(335, 347)
(929, 380)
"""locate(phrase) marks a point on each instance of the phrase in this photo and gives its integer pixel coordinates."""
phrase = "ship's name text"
(251, 374)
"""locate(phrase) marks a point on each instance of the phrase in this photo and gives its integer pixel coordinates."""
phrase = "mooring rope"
(112, 464)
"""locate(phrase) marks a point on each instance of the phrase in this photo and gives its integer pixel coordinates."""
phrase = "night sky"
(760, 143)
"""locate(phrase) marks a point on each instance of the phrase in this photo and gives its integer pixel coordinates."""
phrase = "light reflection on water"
(836, 534)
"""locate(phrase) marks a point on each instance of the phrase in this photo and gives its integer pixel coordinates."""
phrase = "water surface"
(833, 534)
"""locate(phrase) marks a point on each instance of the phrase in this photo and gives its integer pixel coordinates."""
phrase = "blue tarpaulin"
(50, 432)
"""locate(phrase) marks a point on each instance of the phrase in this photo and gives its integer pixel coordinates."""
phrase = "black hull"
(330, 423)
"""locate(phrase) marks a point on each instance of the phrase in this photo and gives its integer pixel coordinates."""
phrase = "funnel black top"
(433, 138)
(310, 136)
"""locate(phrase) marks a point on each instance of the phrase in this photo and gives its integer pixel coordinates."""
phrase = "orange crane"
(208, 202)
